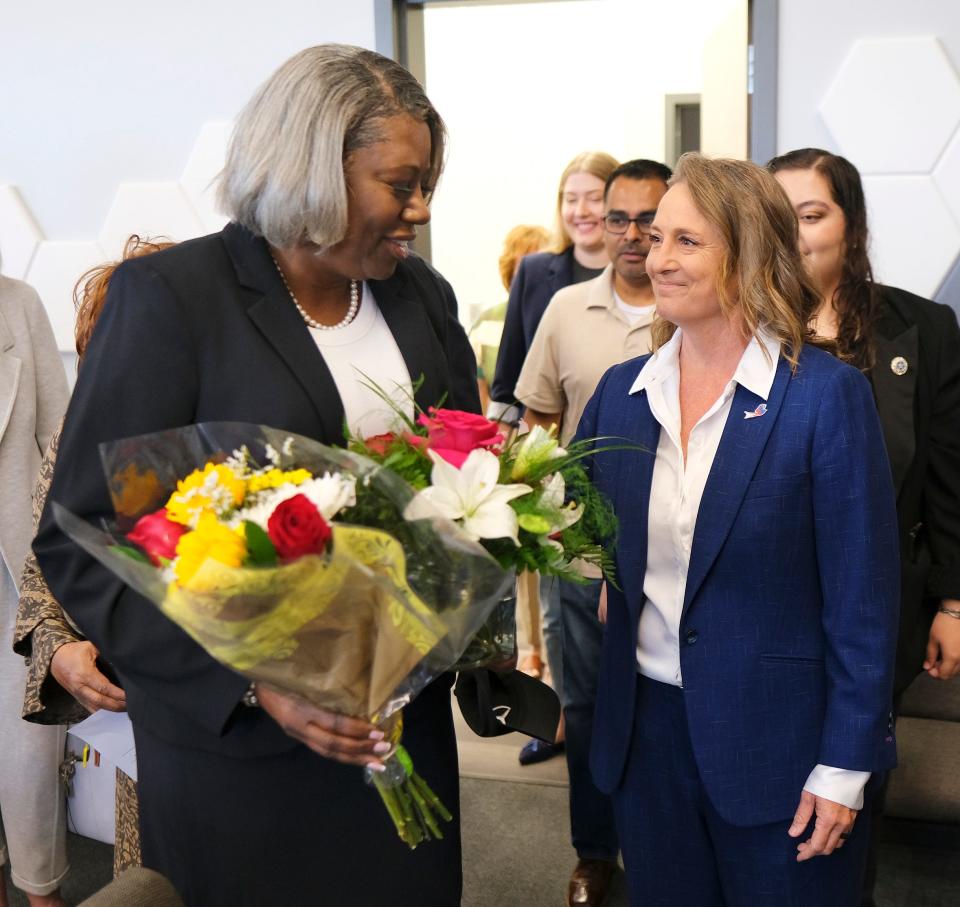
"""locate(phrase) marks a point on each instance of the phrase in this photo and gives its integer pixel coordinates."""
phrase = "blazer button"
(692, 637)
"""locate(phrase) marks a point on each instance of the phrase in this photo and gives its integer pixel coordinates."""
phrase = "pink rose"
(157, 535)
(453, 434)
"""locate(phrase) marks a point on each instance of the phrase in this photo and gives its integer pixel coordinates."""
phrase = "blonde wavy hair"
(761, 276)
(596, 163)
(524, 239)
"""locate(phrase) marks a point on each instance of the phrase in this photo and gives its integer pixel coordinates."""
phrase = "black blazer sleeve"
(942, 487)
(513, 343)
(140, 375)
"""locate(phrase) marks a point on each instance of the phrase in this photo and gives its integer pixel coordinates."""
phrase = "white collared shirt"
(675, 493)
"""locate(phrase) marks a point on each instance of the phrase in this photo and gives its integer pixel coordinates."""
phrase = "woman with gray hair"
(250, 797)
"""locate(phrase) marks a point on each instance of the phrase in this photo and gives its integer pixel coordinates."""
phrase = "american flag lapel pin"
(759, 411)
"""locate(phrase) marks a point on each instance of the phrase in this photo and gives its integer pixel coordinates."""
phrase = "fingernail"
(376, 735)
(381, 748)
(377, 767)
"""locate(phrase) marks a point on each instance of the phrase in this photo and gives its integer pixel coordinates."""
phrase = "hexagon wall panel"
(915, 238)
(54, 271)
(205, 162)
(947, 176)
(878, 107)
(19, 233)
(148, 209)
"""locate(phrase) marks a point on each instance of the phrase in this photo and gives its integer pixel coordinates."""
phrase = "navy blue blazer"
(789, 620)
(539, 276)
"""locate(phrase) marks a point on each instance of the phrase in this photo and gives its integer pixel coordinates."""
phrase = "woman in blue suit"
(745, 686)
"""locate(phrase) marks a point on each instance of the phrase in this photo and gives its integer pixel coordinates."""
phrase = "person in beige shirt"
(587, 328)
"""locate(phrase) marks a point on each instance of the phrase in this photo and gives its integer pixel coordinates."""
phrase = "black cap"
(493, 704)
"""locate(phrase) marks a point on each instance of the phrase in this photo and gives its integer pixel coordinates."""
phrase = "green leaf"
(134, 554)
(260, 550)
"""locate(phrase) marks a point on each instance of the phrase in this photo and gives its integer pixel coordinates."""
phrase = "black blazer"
(920, 414)
(205, 331)
(539, 276)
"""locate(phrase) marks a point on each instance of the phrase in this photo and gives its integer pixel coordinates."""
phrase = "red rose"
(453, 434)
(157, 535)
(380, 444)
(296, 528)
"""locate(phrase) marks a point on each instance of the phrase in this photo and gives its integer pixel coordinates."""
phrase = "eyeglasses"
(620, 223)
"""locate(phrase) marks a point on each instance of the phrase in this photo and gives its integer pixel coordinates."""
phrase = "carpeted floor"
(516, 850)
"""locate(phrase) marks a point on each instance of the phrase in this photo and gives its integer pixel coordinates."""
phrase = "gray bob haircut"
(284, 174)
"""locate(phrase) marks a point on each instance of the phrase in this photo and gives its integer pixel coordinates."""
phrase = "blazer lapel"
(9, 375)
(741, 445)
(272, 311)
(894, 393)
(412, 330)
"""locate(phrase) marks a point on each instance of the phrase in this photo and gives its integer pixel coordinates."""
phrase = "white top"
(363, 353)
(633, 313)
(675, 493)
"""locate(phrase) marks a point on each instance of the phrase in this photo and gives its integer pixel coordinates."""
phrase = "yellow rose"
(211, 539)
(213, 489)
(274, 478)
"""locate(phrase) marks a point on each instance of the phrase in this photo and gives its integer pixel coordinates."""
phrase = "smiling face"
(581, 210)
(822, 224)
(386, 184)
(630, 198)
(686, 254)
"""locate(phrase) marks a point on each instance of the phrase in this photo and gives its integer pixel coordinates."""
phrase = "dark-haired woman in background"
(909, 347)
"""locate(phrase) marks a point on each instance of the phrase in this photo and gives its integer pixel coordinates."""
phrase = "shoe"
(591, 883)
(532, 665)
(535, 750)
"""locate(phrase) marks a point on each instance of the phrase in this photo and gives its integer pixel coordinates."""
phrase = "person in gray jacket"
(33, 398)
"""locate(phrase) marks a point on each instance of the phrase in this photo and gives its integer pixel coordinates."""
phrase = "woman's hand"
(833, 826)
(602, 608)
(74, 667)
(333, 736)
(943, 646)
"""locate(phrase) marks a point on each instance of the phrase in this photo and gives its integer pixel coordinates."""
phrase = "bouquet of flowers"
(300, 566)
(529, 502)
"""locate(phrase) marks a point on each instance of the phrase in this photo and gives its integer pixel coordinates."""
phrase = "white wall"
(524, 88)
(877, 81)
(113, 118)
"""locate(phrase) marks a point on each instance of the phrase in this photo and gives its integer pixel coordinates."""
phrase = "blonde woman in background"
(33, 397)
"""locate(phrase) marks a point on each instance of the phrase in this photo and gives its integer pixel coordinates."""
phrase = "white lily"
(554, 491)
(470, 496)
(537, 446)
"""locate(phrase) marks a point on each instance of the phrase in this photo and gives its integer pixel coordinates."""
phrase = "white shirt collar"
(755, 371)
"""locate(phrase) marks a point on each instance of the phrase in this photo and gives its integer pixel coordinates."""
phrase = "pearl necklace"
(312, 322)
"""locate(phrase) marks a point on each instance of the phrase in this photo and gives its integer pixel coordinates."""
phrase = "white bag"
(108, 739)
(92, 793)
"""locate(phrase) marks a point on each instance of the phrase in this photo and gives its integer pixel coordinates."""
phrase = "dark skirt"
(295, 828)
